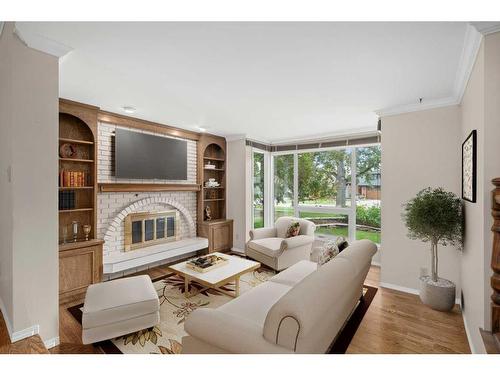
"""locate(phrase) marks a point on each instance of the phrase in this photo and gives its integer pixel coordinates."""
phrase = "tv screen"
(145, 156)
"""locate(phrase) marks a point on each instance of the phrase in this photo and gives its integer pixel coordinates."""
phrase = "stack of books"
(66, 200)
(72, 179)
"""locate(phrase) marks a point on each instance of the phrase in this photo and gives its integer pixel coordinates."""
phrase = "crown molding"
(41, 43)
(486, 28)
(472, 42)
(235, 137)
(414, 107)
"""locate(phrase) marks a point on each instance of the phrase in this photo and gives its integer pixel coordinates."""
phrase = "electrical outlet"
(423, 272)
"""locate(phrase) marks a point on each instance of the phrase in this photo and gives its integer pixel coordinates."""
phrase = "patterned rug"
(166, 338)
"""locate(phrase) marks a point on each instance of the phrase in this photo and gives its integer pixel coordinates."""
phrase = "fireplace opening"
(144, 229)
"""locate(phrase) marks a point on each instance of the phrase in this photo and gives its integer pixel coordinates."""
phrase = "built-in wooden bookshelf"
(218, 230)
(80, 262)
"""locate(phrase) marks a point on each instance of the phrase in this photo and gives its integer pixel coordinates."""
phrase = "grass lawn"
(282, 211)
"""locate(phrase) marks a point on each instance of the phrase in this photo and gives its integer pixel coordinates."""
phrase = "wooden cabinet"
(219, 234)
(80, 264)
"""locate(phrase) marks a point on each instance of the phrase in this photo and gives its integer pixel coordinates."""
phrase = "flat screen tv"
(145, 156)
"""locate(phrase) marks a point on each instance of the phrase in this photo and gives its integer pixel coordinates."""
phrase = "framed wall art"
(469, 167)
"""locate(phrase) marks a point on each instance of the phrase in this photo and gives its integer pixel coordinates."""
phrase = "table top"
(236, 266)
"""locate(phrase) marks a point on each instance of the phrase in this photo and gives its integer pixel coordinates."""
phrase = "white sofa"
(271, 247)
(300, 310)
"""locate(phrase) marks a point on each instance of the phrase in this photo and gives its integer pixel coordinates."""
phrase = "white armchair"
(271, 247)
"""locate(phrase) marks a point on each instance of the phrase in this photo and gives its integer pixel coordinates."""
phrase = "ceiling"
(271, 82)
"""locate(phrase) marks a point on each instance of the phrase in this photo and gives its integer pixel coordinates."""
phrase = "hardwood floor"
(398, 322)
(395, 322)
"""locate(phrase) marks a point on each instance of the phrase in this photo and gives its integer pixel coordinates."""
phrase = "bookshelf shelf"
(76, 188)
(77, 141)
(77, 210)
(213, 158)
(76, 160)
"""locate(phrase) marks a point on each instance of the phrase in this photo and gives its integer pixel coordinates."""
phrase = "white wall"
(31, 126)
(238, 181)
(419, 149)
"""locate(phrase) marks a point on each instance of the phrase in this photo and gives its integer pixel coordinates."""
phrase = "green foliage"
(434, 215)
(369, 216)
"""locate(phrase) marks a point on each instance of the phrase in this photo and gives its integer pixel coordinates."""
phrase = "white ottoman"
(115, 308)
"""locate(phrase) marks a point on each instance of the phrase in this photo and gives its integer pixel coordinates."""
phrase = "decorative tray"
(206, 263)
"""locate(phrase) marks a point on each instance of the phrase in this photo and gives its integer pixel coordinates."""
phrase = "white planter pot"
(438, 295)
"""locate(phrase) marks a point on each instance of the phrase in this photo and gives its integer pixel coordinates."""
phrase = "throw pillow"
(293, 230)
(341, 243)
(330, 251)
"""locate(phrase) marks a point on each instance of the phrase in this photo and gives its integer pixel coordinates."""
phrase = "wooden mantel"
(132, 188)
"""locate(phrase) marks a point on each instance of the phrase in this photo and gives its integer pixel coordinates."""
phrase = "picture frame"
(469, 167)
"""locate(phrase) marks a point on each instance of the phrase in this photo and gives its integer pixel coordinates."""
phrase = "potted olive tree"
(435, 216)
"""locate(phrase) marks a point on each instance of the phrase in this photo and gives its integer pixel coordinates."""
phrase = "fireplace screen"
(150, 228)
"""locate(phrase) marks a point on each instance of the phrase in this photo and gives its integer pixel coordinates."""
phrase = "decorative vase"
(438, 295)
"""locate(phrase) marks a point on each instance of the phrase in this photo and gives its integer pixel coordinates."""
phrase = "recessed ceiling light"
(128, 109)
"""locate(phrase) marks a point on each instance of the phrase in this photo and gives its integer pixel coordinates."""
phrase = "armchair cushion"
(259, 233)
(290, 243)
(267, 246)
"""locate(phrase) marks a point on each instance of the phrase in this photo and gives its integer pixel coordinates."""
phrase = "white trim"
(375, 263)
(50, 343)
(41, 43)
(399, 288)
(25, 333)
(472, 42)
(473, 350)
(486, 28)
(415, 107)
(404, 289)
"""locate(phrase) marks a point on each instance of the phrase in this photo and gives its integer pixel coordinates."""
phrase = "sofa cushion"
(256, 303)
(296, 273)
(267, 246)
(118, 300)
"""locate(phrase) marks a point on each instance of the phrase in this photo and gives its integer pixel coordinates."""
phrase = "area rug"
(166, 338)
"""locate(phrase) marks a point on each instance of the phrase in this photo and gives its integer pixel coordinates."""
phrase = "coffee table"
(218, 277)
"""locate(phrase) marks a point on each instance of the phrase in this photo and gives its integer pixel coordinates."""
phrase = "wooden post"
(495, 262)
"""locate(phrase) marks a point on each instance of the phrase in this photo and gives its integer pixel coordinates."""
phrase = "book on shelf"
(72, 178)
(67, 200)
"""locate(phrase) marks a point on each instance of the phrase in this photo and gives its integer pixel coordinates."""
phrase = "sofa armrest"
(228, 332)
(259, 233)
(292, 242)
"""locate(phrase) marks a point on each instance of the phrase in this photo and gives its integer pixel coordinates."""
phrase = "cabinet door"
(78, 269)
(221, 237)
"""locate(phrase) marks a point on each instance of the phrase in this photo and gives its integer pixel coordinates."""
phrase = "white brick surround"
(113, 207)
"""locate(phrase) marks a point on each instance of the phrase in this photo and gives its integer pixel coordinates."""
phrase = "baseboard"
(17, 335)
(25, 333)
(50, 343)
(404, 289)
(399, 288)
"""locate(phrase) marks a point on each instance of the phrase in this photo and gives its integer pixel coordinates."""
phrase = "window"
(337, 188)
(283, 185)
(324, 178)
(368, 184)
(258, 190)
